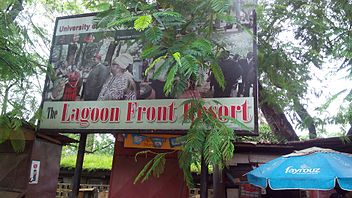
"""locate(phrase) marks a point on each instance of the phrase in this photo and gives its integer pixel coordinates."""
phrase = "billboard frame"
(254, 132)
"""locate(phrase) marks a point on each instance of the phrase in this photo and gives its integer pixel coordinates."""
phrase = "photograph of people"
(231, 71)
(104, 65)
(72, 86)
(72, 50)
(120, 84)
(95, 80)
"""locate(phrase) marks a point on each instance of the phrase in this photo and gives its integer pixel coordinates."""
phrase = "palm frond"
(217, 72)
(155, 166)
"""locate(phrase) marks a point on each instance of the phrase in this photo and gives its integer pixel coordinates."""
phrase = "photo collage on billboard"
(85, 64)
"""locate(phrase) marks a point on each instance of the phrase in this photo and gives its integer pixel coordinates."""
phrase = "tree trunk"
(276, 119)
(203, 179)
(6, 99)
(306, 119)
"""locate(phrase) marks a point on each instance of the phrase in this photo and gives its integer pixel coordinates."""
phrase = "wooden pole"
(76, 180)
(203, 179)
(218, 185)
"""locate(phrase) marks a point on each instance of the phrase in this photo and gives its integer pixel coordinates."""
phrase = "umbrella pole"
(203, 179)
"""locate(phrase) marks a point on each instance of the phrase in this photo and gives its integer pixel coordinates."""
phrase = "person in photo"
(72, 85)
(95, 80)
(72, 50)
(120, 85)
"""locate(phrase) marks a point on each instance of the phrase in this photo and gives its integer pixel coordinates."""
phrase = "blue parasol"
(309, 169)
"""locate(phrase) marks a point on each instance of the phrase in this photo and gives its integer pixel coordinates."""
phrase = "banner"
(99, 78)
(167, 114)
(152, 141)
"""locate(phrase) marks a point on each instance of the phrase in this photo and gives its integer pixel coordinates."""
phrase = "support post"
(76, 180)
(203, 179)
(218, 185)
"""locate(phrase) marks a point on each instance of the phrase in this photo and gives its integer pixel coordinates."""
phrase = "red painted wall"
(169, 185)
(49, 155)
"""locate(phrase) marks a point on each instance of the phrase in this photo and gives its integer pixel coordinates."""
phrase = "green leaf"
(103, 6)
(189, 66)
(120, 22)
(170, 79)
(164, 67)
(217, 72)
(185, 161)
(142, 22)
(155, 166)
(152, 51)
(177, 57)
(4, 4)
(153, 64)
(17, 140)
(169, 18)
(202, 45)
(4, 134)
(153, 34)
(220, 5)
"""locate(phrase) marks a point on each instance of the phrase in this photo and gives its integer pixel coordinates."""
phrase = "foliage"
(320, 31)
(178, 34)
(11, 129)
(100, 144)
(155, 166)
(265, 136)
(91, 162)
(18, 65)
(207, 137)
(183, 44)
(20, 70)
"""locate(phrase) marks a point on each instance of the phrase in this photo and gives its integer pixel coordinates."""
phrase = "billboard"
(99, 84)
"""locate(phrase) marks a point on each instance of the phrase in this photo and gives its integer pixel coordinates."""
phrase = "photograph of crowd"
(104, 65)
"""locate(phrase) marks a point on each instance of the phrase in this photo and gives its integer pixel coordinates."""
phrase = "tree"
(24, 49)
(20, 68)
(321, 30)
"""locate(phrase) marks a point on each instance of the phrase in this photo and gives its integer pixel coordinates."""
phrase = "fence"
(101, 191)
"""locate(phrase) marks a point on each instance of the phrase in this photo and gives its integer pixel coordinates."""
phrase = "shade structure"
(309, 169)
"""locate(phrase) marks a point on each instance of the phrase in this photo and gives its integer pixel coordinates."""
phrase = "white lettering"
(291, 170)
